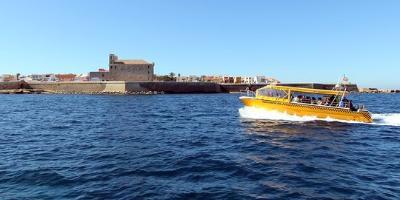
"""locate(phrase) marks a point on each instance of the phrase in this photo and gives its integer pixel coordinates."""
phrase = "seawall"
(122, 87)
(174, 87)
(79, 87)
(125, 87)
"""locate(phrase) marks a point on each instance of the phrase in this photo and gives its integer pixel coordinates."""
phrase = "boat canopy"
(305, 90)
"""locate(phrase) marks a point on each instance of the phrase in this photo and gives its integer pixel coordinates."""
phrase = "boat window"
(322, 100)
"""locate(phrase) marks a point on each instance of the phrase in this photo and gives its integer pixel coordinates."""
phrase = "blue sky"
(293, 41)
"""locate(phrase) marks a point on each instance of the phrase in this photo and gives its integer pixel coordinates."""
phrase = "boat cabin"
(316, 97)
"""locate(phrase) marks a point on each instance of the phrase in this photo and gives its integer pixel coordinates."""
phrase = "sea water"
(199, 146)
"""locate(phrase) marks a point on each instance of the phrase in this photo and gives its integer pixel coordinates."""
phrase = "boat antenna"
(338, 87)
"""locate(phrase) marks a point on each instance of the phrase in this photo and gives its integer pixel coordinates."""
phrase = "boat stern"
(366, 117)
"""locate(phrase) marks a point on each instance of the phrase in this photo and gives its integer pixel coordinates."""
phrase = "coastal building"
(81, 77)
(43, 77)
(37, 77)
(191, 78)
(65, 77)
(260, 79)
(213, 79)
(205, 78)
(182, 79)
(376, 90)
(368, 90)
(100, 75)
(125, 70)
(247, 80)
(8, 78)
(25, 78)
(272, 80)
(263, 80)
(237, 79)
(228, 79)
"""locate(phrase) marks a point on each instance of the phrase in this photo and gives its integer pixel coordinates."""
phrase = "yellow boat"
(322, 104)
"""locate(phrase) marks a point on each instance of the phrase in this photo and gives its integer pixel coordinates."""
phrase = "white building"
(247, 80)
(43, 77)
(191, 78)
(272, 80)
(81, 77)
(182, 79)
(25, 78)
(260, 79)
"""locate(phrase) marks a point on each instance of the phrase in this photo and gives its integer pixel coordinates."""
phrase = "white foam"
(258, 113)
(390, 119)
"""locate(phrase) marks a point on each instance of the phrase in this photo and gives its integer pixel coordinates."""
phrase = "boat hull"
(321, 112)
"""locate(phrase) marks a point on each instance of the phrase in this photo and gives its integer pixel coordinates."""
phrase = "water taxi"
(322, 104)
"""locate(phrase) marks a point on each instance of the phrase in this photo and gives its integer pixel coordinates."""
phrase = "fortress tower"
(112, 58)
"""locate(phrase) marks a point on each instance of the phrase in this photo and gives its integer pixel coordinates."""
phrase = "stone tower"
(112, 58)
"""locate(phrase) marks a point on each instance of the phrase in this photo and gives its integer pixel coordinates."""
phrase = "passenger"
(308, 99)
(296, 99)
(313, 100)
(352, 107)
(300, 98)
(341, 104)
(346, 103)
(325, 101)
(319, 102)
(304, 99)
(331, 100)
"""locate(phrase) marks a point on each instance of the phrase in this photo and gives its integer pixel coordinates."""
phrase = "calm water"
(190, 147)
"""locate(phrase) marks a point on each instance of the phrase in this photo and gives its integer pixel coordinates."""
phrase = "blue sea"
(193, 146)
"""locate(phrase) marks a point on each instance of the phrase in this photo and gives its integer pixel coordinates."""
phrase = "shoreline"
(132, 88)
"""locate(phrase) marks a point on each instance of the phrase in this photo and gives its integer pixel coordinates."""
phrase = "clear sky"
(293, 41)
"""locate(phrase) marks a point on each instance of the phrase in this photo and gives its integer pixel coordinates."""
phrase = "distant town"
(134, 70)
(138, 70)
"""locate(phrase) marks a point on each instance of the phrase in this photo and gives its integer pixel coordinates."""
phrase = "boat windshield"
(272, 93)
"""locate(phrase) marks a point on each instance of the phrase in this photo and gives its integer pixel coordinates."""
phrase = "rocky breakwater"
(22, 91)
(12, 85)
(17, 87)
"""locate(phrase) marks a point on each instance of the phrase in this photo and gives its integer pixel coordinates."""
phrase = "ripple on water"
(37, 177)
(189, 147)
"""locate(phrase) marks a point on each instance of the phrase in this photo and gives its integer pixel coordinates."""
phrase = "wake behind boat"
(306, 102)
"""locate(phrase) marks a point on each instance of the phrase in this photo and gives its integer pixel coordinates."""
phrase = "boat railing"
(247, 93)
(361, 107)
